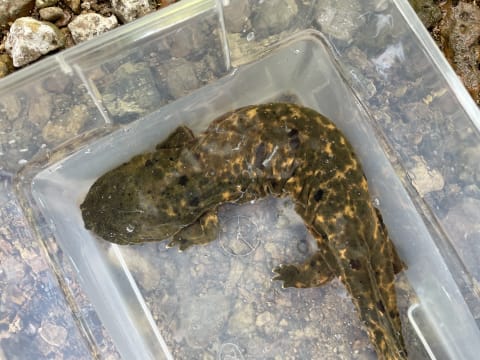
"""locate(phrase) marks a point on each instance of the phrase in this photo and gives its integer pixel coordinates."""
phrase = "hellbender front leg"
(202, 231)
(312, 273)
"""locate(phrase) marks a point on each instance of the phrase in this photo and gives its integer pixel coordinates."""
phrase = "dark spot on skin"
(260, 155)
(318, 195)
(355, 264)
(182, 180)
(379, 336)
(194, 201)
(393, 314)
(156, 172)
(294, 143)
(380, 306)
(148, 163)
(380, 220)
(293, 139)
(398, 266)
(324, 235)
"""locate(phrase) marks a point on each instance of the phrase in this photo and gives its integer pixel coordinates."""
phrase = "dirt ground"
(455, 26)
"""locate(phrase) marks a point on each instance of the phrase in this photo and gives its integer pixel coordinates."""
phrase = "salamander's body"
(274, 149)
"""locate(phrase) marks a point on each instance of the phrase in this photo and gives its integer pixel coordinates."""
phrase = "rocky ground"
(60, 24)
(31, 29)
(455, 26)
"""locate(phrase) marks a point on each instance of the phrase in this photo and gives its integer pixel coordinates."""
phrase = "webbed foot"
(312, 273)
(202, 231)
(290, 275)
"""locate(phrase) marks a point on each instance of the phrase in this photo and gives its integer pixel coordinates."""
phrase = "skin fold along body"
(275, 149)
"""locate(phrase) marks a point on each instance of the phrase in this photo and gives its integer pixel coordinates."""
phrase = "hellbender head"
(152, 196)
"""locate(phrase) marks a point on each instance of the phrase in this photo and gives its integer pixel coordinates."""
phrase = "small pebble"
(53, 334)
(87, 26)
(51, 13)
(424, 179)
(56, 131)
(6, 65)
(12, 9)
(74, 5)
(3, 69)
(40, 4)
(29, 39)
(339, 18)
(129, 10)
(272, 17)
(181, 78)
(236, 15)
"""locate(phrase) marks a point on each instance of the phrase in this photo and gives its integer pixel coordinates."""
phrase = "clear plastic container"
(368, 66)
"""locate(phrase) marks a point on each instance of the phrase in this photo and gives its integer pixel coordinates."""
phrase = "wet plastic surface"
(218, 300)
(314, 80)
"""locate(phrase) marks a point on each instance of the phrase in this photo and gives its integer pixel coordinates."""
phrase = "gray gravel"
(65, 23)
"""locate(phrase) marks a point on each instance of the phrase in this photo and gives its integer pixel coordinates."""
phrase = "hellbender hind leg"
(312, 273)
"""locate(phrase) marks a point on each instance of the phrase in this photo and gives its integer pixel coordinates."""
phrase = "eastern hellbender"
(275, 149)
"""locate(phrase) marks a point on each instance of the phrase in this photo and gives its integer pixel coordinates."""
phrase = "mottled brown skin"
(274, 149)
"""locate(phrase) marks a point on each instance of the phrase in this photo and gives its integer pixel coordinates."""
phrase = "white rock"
(339, 18)
(87, 26)
(128, 10)
(424, 179)
(29, 39)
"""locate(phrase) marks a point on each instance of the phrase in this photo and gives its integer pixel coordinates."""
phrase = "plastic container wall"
(422, 116)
